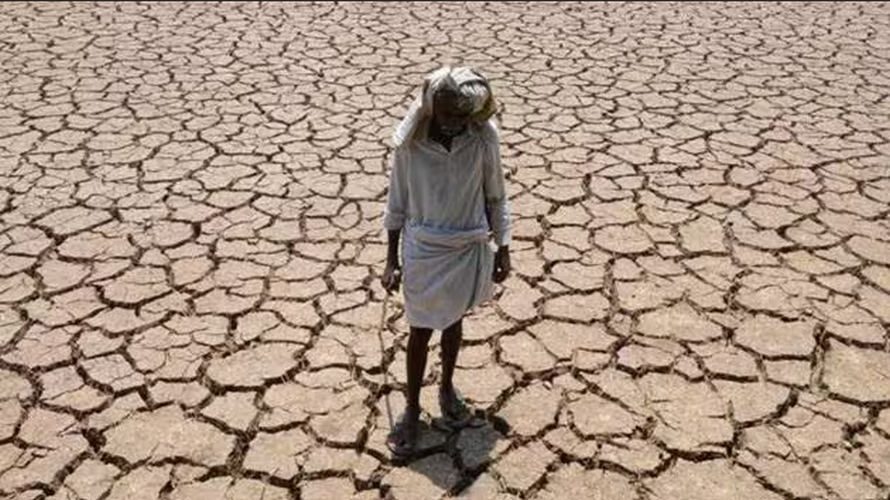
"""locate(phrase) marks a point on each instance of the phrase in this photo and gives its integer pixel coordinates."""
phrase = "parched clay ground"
(190, 245)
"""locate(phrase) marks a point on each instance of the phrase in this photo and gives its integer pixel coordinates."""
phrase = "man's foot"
(455, 411)
(402, 439)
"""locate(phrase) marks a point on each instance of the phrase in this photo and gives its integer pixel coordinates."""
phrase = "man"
(446, 194)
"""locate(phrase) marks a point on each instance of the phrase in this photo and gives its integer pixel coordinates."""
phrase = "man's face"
(448, 115)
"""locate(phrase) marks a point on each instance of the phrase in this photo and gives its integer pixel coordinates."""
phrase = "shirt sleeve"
(396, 209)
(496, 194)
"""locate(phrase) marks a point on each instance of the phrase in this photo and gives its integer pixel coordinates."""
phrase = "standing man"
(446, 199)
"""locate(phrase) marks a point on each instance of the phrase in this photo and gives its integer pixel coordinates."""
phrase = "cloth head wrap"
(471, 89)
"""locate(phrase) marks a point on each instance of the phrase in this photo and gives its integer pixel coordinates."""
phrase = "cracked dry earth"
(190, 246)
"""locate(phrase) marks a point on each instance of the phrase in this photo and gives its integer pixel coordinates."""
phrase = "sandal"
(402, 439)
(455, 411)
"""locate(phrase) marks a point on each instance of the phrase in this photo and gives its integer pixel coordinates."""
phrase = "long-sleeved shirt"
(451, 190)
(440, 198)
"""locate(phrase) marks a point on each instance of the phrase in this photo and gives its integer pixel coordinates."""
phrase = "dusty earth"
(190, 246)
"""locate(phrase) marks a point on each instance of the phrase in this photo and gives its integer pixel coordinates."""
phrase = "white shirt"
(439, 197)
(433, 187)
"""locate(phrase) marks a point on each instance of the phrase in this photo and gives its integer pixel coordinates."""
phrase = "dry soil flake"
(166, 433)
(576, 307)
(873, 250)
(277, 454)
(680, 322)
(594, 415)
(137, 285)
(523, 466)
(144, 483)
(251, 367)
(429, 478)
(623, 239)
(572, 482)
(859, 375)
(773, 337)
(532, 409)
(91, 480)
(235, 409)
(227, 488)
(703, 235)
(692, 417)
(67, 221)
(710, 480)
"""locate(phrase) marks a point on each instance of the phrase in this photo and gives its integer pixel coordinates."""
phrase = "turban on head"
(471, 91)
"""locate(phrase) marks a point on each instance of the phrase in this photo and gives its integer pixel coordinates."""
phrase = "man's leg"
(454, 411)
(451, 339)
(403, 437)
(418, 345)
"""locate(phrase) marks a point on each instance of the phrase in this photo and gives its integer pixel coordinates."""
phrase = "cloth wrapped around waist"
(446, 272)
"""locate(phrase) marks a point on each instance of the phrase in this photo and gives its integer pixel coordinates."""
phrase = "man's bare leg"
(454, 411)
(418, 345)
(451, 339)
(403, 439)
